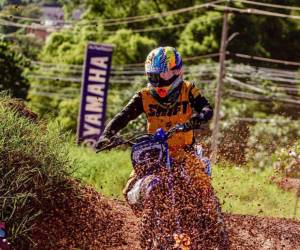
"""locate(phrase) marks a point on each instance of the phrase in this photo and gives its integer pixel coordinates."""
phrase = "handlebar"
(118, 141)
(184, 127)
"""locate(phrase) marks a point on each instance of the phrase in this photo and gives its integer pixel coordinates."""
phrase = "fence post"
(219, 89)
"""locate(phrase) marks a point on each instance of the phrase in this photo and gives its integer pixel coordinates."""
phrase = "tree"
(27, 45)
(29, 11)
(12, 74)
(201, 35)
(130, 47)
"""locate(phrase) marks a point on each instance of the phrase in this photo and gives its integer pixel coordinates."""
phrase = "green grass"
(240, 190)
(33, 166)
(106, 172)
(243, 191)
(36, 161)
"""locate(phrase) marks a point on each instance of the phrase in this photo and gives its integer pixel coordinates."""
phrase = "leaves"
(12, 73)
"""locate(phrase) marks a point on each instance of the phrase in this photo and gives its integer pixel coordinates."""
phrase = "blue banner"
(94, 89)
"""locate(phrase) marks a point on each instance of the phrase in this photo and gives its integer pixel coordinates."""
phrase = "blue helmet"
(163, 68)
(162, 59)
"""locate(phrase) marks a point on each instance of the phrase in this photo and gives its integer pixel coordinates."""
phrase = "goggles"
(163, 79)
(156, 80)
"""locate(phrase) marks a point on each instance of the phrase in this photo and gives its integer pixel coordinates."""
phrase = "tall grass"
(34, 164)
(240, 190)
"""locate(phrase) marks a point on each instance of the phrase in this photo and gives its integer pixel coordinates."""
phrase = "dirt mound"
(79, 218)
(251, 232)
(20, 108)
(90, 221)
(289, 184)
(245, 232)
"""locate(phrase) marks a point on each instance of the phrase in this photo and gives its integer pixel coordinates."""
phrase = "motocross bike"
(175, 209)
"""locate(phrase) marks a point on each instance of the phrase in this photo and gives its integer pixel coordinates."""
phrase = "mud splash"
(90, 221)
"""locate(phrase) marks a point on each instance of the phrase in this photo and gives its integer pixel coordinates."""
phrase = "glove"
(102, 142)
(196, 121)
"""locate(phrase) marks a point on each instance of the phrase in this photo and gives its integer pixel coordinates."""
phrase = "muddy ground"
(90, 221)
(246, 232)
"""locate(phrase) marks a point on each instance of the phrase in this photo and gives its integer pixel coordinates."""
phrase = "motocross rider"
(167, 100)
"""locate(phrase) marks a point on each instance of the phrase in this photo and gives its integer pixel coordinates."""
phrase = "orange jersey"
(159, 116)
(189, 101)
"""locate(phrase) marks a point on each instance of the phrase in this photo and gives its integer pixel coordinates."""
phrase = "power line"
(201, 57)
(53, 95)
(19, 25)
(258, 58)
(287, 88)
(261, 97)
(240, 70)
(202, 71)
(171, 12)
(65, 79)
(236, 69)
(255, 11)
(265, 76)
(264, 59)
(55, 88)
(151, 29)
(261, 76)
(265, 91)
(269, 5)
(114, 68)
(77, 80)
(142, 18)
(253, 119)
(20, 17)
(46, 27)
(235, 82)
(252, 70)
(133, 19)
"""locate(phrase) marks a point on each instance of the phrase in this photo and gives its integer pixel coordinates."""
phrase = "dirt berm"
(90, 221)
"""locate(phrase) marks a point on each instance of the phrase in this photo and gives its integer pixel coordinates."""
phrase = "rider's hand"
(196, 121)
(102, 142)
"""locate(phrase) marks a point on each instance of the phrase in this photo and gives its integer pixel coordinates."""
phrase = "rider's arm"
(200, 104)
(130, 112)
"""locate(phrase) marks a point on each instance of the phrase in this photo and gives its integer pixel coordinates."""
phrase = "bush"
(34, 165)
(12, 74)
(67, 114)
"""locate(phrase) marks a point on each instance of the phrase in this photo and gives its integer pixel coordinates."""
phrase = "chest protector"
(159, 116)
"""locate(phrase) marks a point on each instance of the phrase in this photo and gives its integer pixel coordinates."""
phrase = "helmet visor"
(157, 81)
(154, 79)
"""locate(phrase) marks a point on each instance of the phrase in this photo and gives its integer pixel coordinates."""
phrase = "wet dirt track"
(94, 222)
(246, 232)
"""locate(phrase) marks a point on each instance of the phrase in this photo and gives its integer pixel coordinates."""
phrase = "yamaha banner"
(94, 88)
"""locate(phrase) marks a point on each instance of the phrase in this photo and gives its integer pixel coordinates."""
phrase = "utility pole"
(218, 95)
